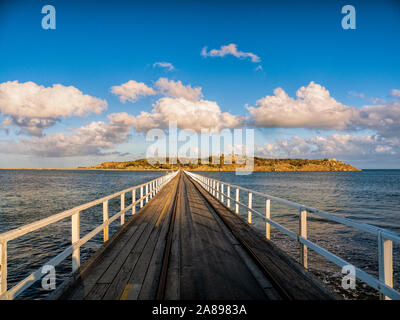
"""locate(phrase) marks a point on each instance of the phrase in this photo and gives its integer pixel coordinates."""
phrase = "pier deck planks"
(203, 262)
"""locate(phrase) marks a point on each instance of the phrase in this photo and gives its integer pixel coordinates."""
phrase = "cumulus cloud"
(176, 89)
(141, 123)
(395, 93)
(31, 100)
(132, 91)
(33, 107)
(29, 126)
(336, 145)
(166, 65)
(95, 139)
(384, 118)
(195, 115)
(230, 49)
(313, 108)
(101, 138)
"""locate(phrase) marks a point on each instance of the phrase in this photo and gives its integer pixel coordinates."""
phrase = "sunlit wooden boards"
(285, 271)
(203, 261)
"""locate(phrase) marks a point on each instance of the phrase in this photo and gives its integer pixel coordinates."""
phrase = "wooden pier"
(184, 244)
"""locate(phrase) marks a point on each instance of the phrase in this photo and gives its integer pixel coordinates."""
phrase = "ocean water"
(370, 196)
(29, 195)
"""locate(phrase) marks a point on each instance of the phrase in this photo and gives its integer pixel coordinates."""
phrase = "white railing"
(150, 187)
(385, 238)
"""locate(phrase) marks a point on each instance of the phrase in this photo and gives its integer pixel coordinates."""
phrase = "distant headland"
(260, 164)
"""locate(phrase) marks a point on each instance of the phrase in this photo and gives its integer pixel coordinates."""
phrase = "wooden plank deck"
(208, 257)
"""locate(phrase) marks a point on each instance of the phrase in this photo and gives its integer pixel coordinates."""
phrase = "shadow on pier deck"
(186, 245)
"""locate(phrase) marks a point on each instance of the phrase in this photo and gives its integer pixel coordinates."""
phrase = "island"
(260, 164)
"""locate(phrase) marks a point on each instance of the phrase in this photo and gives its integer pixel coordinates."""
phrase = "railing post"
(217, 190)
(151, 190)
(133, 201)
(222, 192)
(250, 206)
(122, 208)
(237, 200)
(385, 257)
(105, 220)
(147, 193)
(3, 267)
(228, 193)
(141, 197)
(213, 187)
(75, 237)
(303, 234)
(268, 216)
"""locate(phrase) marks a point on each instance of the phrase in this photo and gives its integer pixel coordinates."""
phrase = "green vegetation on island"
(260, 164)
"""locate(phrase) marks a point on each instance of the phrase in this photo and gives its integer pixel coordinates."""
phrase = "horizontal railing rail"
(385, 238)
(147, 191)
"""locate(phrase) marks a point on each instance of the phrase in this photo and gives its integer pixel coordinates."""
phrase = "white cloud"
(313, 108)
(101, 138)
(334, 146)
(395, 93)
(195, 115)
(230, 49)
(94, 139)
(167, 65)
(141, 123)
(33, 107)
(384, 119)
(31, 100)
(176, 89)
(29, 126)
(132, 90)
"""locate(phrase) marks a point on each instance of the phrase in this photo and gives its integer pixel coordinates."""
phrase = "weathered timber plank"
(238, 283)
(172, 289)
(135, 266)
(297, 282)
(109, 255)
(151, 280)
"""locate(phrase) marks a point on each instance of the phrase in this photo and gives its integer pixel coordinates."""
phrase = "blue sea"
(369, 196)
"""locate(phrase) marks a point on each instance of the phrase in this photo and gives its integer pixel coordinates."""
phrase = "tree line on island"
(260, 164)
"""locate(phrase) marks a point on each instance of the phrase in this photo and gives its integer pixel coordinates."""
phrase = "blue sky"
(97, 45)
